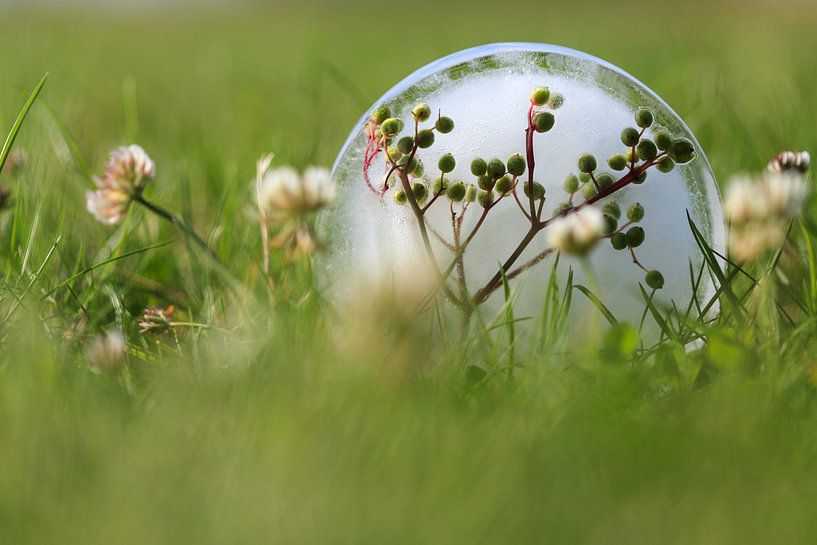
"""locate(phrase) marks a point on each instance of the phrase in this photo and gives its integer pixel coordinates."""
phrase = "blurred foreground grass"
(266, 431)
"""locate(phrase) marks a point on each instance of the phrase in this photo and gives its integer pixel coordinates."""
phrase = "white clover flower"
(576, 233)
(760, 210)
(127, 172)
(284, 193)
(106, 352)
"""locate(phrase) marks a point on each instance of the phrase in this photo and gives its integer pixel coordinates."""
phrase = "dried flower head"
(759, 211)
(576, 233)
(127, 172)
(106, 352)
(156, 320)
(790, 160)
(283, 193)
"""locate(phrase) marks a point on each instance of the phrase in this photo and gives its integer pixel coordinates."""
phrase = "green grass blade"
(15, 128)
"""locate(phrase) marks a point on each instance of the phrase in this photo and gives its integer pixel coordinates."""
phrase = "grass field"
(261, 428)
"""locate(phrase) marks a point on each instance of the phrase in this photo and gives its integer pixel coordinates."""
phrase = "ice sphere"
(486, 91)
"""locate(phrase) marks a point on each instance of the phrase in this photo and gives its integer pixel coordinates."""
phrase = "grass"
(277, 423)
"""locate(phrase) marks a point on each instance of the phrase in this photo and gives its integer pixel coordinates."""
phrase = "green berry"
(618, 240)
(682, 151)
(456, 191)
(538, 190)
(381, 114)
(605, 180)
(485, 198)
(610, 224)
(471, 193)
(613, 209)
(584, 177)
(400, 197)
(556, 100)
(405, 144)
(630, 136)
(655, 280)
(486, 182)
(635, 236)
(440, 186)
(663, 140)
(589, 190)
(479, 167)
(543, 121)
(445, 125)
(421, 112)
(617, 161)
(635, 212)
(416, 168)
(420, 191)
(425, 138)
(394, 153)
(447, 163)
(644, 118)
(496, 168)
(504, 184)
(540, 96)
(561, 208)
(641, 178)
(571, 183)
(666, 164)
(516, 165)
(391, 126)
(629, 155)
(586, 163)
(646, 149)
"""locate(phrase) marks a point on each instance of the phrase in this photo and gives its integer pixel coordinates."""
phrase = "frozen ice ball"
(486, 91)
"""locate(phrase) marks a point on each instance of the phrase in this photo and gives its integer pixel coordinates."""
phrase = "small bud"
(381, 114)
(666, 164)
(540, 96)
(421, 112)
(425, 138)
(538, 190)
(646, 149)
(613, 209)
(516, 164)
(471, 193)
(447, 163)
(610, 224)
(635, 236)
(589, 190)
(641, 178)
(644, 118)
(485, 198)
(394, 153)
(586, 163)
(416, 168)
(629, 137)
(617, 161)
(584, 177)
(445, 125)
(496, 168)
(605, 180)
(562, 208)
(479, 167)
(618, 240)
(405, 145)
(629, 155)
(556, 100)
(682, 151)
(399, 197)
(663, 140)
(486, 182)
(655, 280)
(391, 126)
(543, 121)
(440, 186)
(571, 183)
(456, 191)
(504, 184)
(635, 212)
(420, 191)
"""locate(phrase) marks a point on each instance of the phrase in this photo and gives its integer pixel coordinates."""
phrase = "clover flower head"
(127, 172)
(284, 192)
(576, 233)
(106, 352)
(759, 211)
(156, 320)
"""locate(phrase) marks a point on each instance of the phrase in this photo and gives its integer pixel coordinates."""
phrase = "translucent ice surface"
(486, 92)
